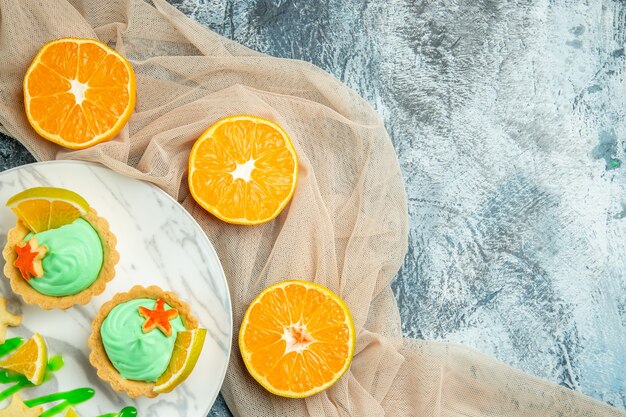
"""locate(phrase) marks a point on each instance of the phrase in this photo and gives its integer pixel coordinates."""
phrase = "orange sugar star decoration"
(158, 318)
(29, 256)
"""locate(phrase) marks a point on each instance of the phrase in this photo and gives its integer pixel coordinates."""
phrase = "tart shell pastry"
(98, 357)
(47, 302)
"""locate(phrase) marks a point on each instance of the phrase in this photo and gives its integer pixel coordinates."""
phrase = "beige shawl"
(346, 228)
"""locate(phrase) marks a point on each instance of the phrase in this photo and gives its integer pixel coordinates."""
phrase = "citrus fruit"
(78, 92)
(45, 208)
(297, 338)
(30, 359)
(71, 413)
(187, 349)
(243, 170)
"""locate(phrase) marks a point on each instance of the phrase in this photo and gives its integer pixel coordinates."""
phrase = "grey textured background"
(509, 122)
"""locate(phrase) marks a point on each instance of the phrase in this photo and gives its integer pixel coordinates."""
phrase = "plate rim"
(172, 199)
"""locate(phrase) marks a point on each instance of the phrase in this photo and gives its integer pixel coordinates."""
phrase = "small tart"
(47, 302)
(98, 357)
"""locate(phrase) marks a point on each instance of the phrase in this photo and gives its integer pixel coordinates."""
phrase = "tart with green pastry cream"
(145, 342)
(60, 252)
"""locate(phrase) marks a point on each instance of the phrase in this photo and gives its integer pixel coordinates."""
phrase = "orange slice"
(187, 350)
(29, 360)
(78, 92)
(243, 170)
(297, 339)
(45, 208)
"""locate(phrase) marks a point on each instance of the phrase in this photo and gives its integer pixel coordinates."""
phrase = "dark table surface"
(509, 123)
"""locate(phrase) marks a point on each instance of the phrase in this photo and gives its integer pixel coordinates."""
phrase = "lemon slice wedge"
(187, 350)
(45, 208)
(30, 359)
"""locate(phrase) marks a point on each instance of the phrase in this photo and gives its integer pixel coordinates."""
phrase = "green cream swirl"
(73, 260)
(137, 355)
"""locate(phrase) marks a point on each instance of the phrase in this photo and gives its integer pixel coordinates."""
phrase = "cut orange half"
(243, 170)
(29, 360)
(45, 208)
(297, 339)
(187, 350)
(78, 92)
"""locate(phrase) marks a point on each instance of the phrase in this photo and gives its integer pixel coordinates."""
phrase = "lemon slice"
(187, 350)
(29, 360)
(45, 208)
(78, 92)
(71, 413)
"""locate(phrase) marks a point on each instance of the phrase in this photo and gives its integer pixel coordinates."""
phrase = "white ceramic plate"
(159, 244)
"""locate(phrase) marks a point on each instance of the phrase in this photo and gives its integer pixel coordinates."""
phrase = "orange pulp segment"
(243, 170)
(78, 92)
(297, 338)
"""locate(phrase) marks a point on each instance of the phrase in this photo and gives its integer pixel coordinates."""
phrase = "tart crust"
(48, 302)
(98, 357)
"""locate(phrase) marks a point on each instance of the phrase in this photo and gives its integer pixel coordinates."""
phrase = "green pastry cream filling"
(73, 260)
(137, 355)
